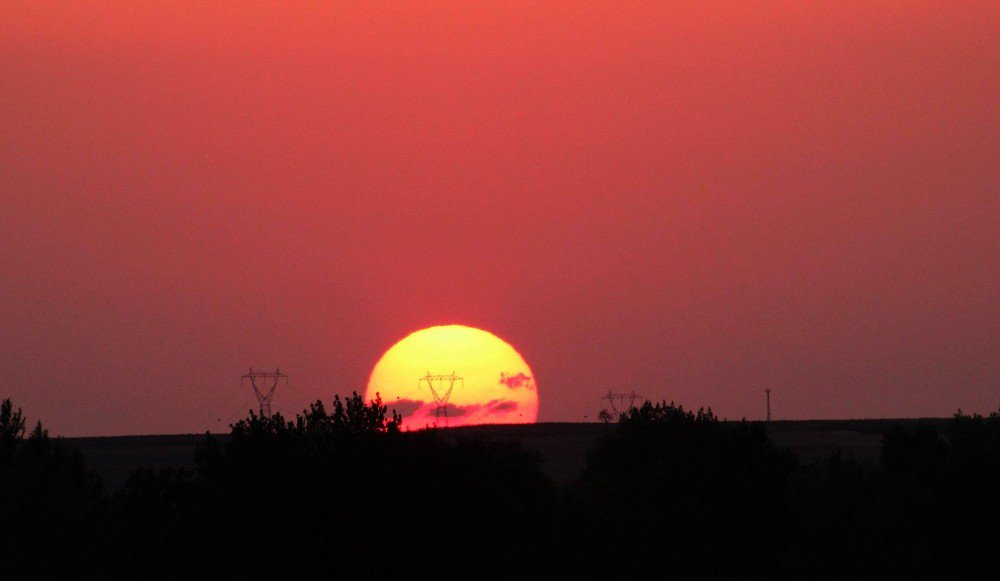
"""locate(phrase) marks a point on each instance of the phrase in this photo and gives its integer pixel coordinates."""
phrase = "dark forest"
(347, 492)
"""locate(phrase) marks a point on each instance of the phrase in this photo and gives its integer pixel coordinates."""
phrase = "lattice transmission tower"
(441, 387)
(621, 398)
(265, 394)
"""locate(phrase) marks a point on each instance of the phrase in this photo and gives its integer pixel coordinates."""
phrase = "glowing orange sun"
(489, 381)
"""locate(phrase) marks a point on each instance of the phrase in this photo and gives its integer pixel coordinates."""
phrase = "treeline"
(345, 492)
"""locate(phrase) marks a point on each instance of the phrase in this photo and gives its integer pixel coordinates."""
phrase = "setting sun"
(455, 375)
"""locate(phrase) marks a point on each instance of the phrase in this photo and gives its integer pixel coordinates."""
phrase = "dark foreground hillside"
(563, 446)
(344, 492)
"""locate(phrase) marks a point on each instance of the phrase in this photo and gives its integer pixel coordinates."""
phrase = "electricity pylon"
(264, 395)
(621, 398)
(440, 387)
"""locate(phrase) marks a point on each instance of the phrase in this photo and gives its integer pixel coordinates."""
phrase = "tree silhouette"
(48, 501)
(927, 508)
(341, 489)
(11, 431)
(686, 492)
(331, 489)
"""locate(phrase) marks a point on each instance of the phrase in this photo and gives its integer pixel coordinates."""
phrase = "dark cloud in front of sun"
(455, 411)
(499, 406)
(517, 380)
(405, 407)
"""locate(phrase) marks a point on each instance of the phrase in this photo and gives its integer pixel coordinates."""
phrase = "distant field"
(563, 446)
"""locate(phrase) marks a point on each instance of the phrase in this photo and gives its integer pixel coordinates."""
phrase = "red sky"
(696, 200)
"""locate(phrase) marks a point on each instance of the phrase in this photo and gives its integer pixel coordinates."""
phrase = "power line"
(621, 398)
(441, 387)
(265, 395)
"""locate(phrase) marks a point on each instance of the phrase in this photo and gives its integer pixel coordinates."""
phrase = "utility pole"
(621, 398)
(768, 392)
(265, 395)
(441, 387)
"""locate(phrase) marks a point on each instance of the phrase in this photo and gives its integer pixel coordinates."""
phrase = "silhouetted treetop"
(11, 429)
(350, 416)
(341, 489)
(47, 502)
(702, 495)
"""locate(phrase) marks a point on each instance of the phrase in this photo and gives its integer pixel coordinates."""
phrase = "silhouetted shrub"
(344, 491)
(347, 493)
(928, 509)
(836, 502)
(685, 493)
(49, 503)
(940, 512)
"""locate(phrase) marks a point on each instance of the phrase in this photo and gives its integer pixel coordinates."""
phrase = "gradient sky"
(695, 200)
